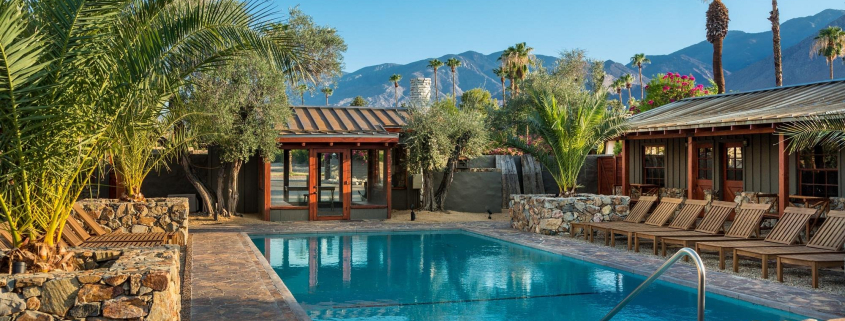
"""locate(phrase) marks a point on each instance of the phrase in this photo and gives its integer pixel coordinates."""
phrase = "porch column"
(783, 176)
(286, 175)
(388, 186)
(626, 188)
(266, 185)
(691, 174)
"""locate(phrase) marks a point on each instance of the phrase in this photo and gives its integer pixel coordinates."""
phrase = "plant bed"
(130, 283)
(552, 215)
(153, 215)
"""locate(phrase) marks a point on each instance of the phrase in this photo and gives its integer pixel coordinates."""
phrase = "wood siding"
(675, 161)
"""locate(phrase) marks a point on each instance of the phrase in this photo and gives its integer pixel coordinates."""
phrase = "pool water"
(455, 275)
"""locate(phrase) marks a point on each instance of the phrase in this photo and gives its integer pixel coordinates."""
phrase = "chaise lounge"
(637, 215)
(744, 226)
(712, 224)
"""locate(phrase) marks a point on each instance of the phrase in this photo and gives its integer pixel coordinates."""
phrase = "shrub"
(671, 87)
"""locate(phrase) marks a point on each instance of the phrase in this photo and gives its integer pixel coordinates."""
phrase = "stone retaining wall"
(135, 284)
(551, 215)
(155, 215)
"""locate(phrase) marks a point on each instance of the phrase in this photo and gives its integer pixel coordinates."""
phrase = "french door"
(704, 170)
(329, 183)
(732, 171)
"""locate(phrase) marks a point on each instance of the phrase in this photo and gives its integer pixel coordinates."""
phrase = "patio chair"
(74, 234)
(829, 239)
(813, 261)
(712, 224)
(656, 221)
(784, 233)
(637, 214)
(744, 226)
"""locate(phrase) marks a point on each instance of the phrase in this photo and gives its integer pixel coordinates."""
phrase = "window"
(654, 167)
(818, 172)
(733, 170)
(705, 163)
(289, 179)
(398, 168)
(368, 177)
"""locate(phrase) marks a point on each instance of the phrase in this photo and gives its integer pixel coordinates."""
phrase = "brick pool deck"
(231, 281)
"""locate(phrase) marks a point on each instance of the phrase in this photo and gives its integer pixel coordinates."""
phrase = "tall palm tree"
(395, 78)
(434, 64)
(717, 29)
(301, 89)
(501, 73)
(628, 80)
(328, 91)
(639, 60)
(518, 58)
(829, 44)
(617, 86)
(774, 17)
(453, 64)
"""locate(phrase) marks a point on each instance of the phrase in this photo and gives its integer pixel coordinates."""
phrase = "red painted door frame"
(700, 184)
(313, 177)
(730, 186)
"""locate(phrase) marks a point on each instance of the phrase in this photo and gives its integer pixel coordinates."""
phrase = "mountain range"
(747, 60)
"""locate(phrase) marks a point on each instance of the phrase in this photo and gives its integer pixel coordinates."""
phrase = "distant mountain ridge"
(747, 59)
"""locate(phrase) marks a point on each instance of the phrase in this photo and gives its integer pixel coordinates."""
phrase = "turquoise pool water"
(453, 275)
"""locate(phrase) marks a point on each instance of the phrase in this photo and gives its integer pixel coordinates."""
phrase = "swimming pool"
(456, 275)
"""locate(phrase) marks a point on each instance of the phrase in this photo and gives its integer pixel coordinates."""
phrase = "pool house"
(724, 146)
(337, 164)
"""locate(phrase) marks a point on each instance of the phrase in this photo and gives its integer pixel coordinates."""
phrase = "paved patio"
(230, 282)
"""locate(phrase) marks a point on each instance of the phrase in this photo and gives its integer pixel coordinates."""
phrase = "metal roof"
(765, 106)
(346, 121)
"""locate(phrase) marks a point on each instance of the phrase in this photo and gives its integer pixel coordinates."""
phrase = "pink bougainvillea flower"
(706, 92)
(651, 102)
(684, 83)
(700, 86)
(665, 88)
(646, 86)
(671, 100)
(684, 77)
(691, 78)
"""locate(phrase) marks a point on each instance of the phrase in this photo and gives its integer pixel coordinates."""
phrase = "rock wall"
(136, 284)
(550, 215)
(155, 215)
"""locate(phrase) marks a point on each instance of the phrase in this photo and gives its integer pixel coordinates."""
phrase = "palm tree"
(774, 17)
(640, 60)
(570, 129)
(518, 58)
(628, 80)
(829, 44)
(395, 78)
(809, 132)
(617, 86)
(75, 70)
(301, 89)
(717, 29)
(434, 64)
(501, 73)
(328, 91)
(453, 64)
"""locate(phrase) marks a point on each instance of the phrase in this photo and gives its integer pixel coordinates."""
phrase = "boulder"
(11, 303)
(59, 296)
(125, 308)
(98, 292)
(156, 280)
(34, 316)
(84, 310)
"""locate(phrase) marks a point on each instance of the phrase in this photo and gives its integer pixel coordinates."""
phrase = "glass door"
(330, 185)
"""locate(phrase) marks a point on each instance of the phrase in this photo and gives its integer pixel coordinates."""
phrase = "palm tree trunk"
(620, 97)
(642, 86)
(512, 87)
(302, 98)
(454, 90)
(327, 99)
(830, 63)
(718, 73)
(396, 93)
(436, 92)
(504, 100)
(629, 93)
(775, 19)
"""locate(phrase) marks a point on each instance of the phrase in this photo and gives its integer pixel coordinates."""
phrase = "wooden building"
(337, 164)
(720, 146)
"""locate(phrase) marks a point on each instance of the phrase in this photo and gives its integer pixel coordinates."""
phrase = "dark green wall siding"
(675, 161)
(288, 215)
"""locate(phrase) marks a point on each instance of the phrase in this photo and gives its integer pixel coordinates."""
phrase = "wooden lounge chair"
(637, 214)
(813, 261)
(711, 225)
(682, 224)
(744, 226)
(784, 233)
(74, 234)
(656, 221)
(829, 239)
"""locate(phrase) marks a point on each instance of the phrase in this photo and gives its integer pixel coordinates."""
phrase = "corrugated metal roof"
(328, 120)
(766, 106)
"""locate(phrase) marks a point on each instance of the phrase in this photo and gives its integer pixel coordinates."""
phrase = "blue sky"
(402, 31)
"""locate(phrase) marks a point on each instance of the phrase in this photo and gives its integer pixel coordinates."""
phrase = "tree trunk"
(774, 17)
(436, 93)
(504, 99)
(449, 172)
(428, 203)
(454, 90)
(221, 199)
(234, 194)
(619, 92)
(629, 93)
(302, 98)
(830, 63)
(642, 86)
(718, 72)
(396, 93)
(204, 192)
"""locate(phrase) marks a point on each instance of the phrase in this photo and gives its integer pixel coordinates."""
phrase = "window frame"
(646, 155)
(812, 172)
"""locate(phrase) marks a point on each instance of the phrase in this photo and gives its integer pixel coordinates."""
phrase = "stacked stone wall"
(154, 215)
(550, 215)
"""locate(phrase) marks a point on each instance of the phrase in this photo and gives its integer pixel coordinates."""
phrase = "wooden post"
(266, 181)
(626, 188)
(783, 175)
(691, 174)
(388, 187)
(286, 174)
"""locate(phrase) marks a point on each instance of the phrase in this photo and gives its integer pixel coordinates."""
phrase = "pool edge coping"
(290, 299)
(276, 281)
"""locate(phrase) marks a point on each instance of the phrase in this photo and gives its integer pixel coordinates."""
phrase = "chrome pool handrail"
(701, 277)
